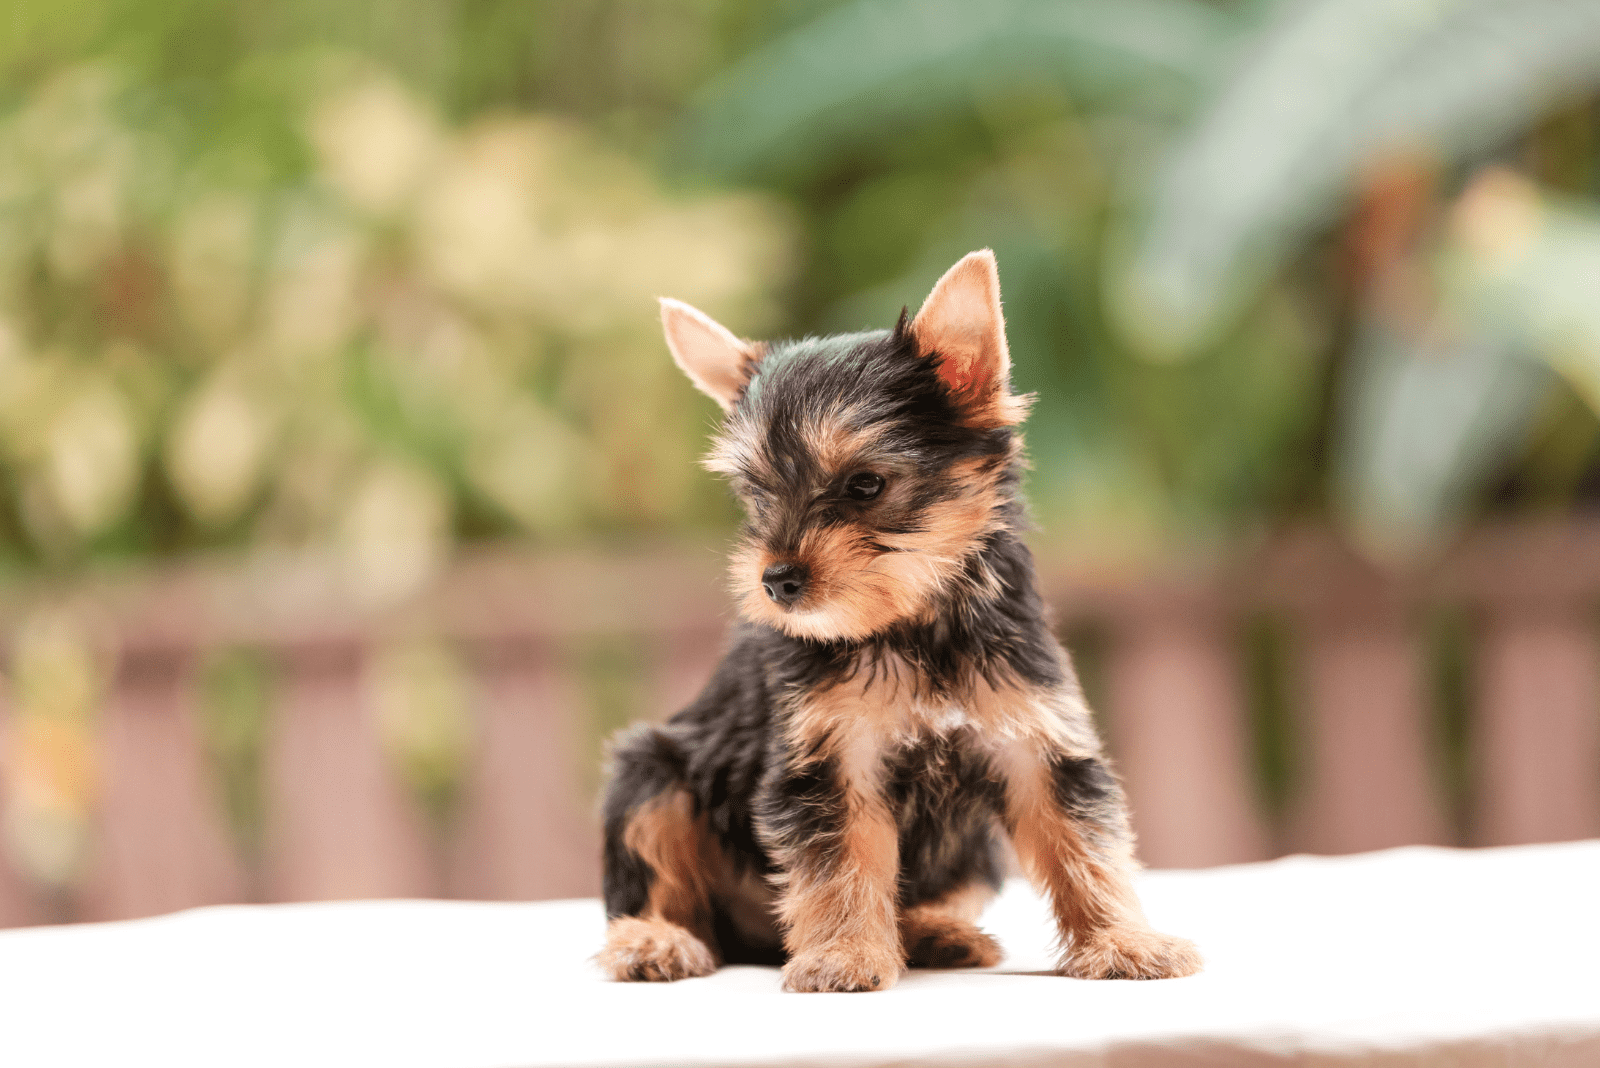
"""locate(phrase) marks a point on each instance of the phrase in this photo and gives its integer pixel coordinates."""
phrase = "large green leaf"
(1332, 86)
(1430, 410)
(858, 70)
(1424, 418)
(1525, 266)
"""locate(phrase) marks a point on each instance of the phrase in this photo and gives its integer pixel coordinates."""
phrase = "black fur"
(1083, 785)
(947, 800)
(728, 748)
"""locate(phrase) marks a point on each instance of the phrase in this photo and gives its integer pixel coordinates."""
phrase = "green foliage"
(1330, 87)
(433, 331)
(1270, 685)
(1230, 202)
(372, 279)
(870, 66)
(1450, 642)
(235, 703)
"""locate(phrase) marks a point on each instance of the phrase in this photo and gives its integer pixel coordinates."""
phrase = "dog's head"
(873, 467)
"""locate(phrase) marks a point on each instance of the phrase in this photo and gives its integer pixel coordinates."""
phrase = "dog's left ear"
(717, 362)
(960, 326)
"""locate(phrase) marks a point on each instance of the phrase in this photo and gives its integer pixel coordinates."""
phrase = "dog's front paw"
(1128, 952)
(844, 967)
(653, 951)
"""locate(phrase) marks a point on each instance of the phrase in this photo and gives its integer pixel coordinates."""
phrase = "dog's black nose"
(784, 583)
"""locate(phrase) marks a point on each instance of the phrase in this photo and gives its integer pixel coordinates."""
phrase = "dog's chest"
(885, 705)
(933, 771)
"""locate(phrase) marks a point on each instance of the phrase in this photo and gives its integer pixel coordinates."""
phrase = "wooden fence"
(1295, 699)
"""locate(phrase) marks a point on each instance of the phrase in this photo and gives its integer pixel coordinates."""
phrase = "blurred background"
(349, 497)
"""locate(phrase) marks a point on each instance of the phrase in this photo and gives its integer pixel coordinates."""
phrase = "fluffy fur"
(832, 799)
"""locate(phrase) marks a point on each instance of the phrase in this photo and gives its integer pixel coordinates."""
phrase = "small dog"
(893, 694)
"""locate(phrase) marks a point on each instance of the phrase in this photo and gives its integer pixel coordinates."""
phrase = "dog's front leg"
(1067, 819)
(829, 827)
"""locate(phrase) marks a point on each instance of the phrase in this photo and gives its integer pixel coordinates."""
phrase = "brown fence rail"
(222, 733)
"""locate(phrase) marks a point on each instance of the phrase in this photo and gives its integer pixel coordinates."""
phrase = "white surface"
(1414, 956)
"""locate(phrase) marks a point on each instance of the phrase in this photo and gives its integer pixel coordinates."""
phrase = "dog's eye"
(863, 486)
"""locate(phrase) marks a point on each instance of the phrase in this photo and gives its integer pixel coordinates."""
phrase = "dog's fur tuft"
(893, 696)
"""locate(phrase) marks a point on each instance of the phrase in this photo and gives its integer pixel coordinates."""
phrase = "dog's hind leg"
(659, 865)
(943, 933)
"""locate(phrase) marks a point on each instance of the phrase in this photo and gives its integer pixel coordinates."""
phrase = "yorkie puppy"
(893, 695)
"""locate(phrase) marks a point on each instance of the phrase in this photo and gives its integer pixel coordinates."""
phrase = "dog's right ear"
(718, 363)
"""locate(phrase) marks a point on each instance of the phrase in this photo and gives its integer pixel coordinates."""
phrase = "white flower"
(215, 452)
(92, 461)
(374, 143)
(393, 535)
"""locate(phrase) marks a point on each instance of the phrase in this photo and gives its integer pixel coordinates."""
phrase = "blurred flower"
(311, 289)
(478, 235)
(215, 453)
(1523, 266)
(87, 224)
(51, 773)
(1497, 217)
(478, 300)
(525, 461)
(374, 143)
(92, 459)
(393, 535)
(213, 253)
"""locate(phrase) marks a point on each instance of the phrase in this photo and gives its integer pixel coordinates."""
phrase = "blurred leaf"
(1424, 419)
(235, 715)
(874, 64)
(1525, 267)
(1334, 85)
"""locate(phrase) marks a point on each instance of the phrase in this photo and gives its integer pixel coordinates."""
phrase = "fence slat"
(1539, 722)
(1177, 729)
(1369, 782)
(19, 904)
(160, 844)
(525, 830)
(338, 822)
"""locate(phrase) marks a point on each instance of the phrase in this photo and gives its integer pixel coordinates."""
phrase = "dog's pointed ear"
(960, 327)
(717, 362)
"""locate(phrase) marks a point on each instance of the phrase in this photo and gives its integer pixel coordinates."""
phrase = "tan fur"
(881, 699)
(961, 325)
(941, 934)
(836, 443)
(840, 924)
(1089, 883)
(964, 903)
(674, 842)
(751, 903)
(736, 450)
(855, 590)
(836, 902)
(1131, 951)
(878, 701)
(653, 951)
(673, 938)
(839, 919)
